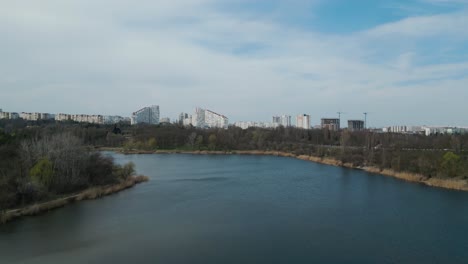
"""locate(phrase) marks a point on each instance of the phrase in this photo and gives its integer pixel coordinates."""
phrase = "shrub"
(125, 171)
(100, 169)
(42, 173)
(450, 165)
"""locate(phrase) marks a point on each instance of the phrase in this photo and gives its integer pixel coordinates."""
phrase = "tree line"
(432, 156)
(39, 163)
(49, 158)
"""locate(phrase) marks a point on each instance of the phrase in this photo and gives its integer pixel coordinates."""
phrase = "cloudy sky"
(404, 61)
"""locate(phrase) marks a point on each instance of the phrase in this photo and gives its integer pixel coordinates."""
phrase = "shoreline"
(91, 193)
(451, 184)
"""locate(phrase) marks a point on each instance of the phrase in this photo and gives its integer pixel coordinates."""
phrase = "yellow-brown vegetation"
(88, 194)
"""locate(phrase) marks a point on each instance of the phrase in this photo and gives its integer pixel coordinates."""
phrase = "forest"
(42, 159)
(38, 164)
(439, 156)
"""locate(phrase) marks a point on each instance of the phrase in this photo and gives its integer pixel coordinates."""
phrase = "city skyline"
(404, 62)
(275, 120)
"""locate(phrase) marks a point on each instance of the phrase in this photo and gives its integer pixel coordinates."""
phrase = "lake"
(248, 209)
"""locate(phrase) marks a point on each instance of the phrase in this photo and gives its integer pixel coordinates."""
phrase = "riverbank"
(88, 194)
(453, 184)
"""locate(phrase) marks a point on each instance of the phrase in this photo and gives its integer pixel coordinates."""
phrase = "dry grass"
(89, 194)
(44, 207)
(141, 178)
(461, 185)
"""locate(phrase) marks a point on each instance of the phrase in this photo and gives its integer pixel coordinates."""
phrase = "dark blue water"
(248, 209)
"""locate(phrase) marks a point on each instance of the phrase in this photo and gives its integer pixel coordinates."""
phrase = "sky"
(403, 61)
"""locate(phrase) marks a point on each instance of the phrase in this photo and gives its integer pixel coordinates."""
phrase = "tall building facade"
(303, 121)
(182, 117)
(213, 119)
(198, 118)
(331, 124)
(276, 120)
(284, 120)
(355, 125)
(204, 118)
(147, 115)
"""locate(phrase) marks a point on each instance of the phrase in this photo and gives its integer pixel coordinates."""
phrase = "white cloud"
(452, 25)
(115, 56)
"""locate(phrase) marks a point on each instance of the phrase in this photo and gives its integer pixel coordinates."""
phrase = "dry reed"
(88, 194)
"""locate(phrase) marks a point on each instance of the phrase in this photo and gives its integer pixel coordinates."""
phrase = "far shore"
(452, 184)
(88, 194)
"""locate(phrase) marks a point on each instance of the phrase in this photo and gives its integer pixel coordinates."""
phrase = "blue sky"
(406, 62)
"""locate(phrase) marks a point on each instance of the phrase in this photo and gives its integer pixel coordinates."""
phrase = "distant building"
(147, 115)
(81, 118)
(29, 116)
(165, 120)
(398, 129)
(284, 120)
(62, 117)
(424, 130)
(36, 116)
(332, 124)
(303, 121)
(428, 131)
(182, 117)
(187, 121)
(9, 115)
(276, 120)
(404, 129)
(213, 119)
(198, 118)
(204, 118)
(110, 120)
(248, 124)
(93, 119)
(355, 125)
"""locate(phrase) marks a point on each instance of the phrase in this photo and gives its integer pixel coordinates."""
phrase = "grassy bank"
(453, 184)
(88, 194)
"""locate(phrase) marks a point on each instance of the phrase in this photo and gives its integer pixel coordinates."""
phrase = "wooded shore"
(453, 184)
(88, 194)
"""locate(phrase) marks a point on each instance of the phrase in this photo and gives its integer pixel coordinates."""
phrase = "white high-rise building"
(187, 121)
(204, 118)
(213, 119)
(182, 117)
(198, 118)
(303, 121)
(284, 120)
(148, 115)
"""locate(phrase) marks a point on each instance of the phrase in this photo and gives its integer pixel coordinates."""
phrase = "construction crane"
(365, 119)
